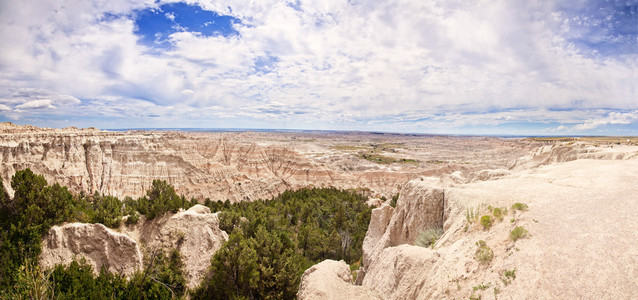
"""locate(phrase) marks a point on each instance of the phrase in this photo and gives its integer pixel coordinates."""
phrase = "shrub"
(486, 221)
(393, 201)
(483, 254)
(519, 206)
(471, 215)
(518, 232)
(498, 213)
(509, 276)
(133, 218)
(428, 236)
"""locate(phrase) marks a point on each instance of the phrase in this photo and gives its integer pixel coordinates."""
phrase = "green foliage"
(471, 215)
(518, 232)
(30, 283)
(163, 280)
(393, 201)
(486, 222)
(519, 206)
(510, 274)
(35, 207)
(428, 236)
(272, 242)
(483, 254)
(498, 213)
(161, 198)
(482, 286)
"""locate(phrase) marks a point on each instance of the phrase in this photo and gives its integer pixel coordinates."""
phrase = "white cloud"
(36, 104)
(337, 62)
(612, 118)
(4, 107)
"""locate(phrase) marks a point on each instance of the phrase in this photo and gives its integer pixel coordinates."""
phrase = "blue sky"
(449, 67)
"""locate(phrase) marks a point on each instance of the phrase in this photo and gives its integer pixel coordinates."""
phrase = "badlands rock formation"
(98, 245)
(581, 243)
(241, 166)
(194, 232)
(331, 279)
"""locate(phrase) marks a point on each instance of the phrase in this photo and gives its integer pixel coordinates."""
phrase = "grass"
(483, 254)
(382, 159)
(509, 276)
(518, 232)
(354, 267)
(498, 213)
(520, 206)
(429, 236)
(486, 221)
(471, 215)
(483, 286)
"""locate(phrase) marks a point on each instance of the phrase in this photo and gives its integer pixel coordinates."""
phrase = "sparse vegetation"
(483, 254)
(518, 232)
(519, 206)
(428, 236)
(498, 213)
(393, 201)
(383, 159)
(482, 286)
(471, 215)
(486, 222)
(509, 276)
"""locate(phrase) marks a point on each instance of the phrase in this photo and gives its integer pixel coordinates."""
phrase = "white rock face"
(99, 245)
(586, 204)
(194, 232)
(404, 272)
(331, 279)
(420, 206)
(196, 235)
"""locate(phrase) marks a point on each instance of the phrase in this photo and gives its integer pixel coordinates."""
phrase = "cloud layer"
(480, 67)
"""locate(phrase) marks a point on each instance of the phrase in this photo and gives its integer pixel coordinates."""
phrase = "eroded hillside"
(242, 166)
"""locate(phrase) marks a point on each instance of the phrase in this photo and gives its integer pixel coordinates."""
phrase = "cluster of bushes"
(36, 206)
(270, 242)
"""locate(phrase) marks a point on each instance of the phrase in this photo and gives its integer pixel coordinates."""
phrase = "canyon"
(579, 194)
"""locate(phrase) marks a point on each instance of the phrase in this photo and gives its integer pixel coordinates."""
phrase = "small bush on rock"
(483, 254)
(429, 236)
(518, 232)
(486, 221)
(519, 206)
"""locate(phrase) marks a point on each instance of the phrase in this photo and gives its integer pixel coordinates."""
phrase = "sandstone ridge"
(194, 232)
(563, 193)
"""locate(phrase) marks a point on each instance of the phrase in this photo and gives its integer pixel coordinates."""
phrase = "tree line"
(271, 242)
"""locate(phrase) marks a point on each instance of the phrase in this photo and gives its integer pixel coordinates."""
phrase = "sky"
(485, 67)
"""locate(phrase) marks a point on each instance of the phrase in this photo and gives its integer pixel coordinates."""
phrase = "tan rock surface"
(100, 246)
(581, 245)
(240, 166)
(194, 232)
(331, 279)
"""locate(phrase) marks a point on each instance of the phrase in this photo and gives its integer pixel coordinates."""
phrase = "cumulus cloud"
(611, 118)
(391, 64)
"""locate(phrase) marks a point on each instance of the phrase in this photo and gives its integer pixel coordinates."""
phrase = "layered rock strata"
(99, 246)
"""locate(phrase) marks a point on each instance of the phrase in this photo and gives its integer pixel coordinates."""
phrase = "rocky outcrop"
(404, 272)
(194, 232)
(563, 152)
(239, 166)
(544, 262)
(421, 205)
(219, 166)
(99, 246)
(331, 279)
